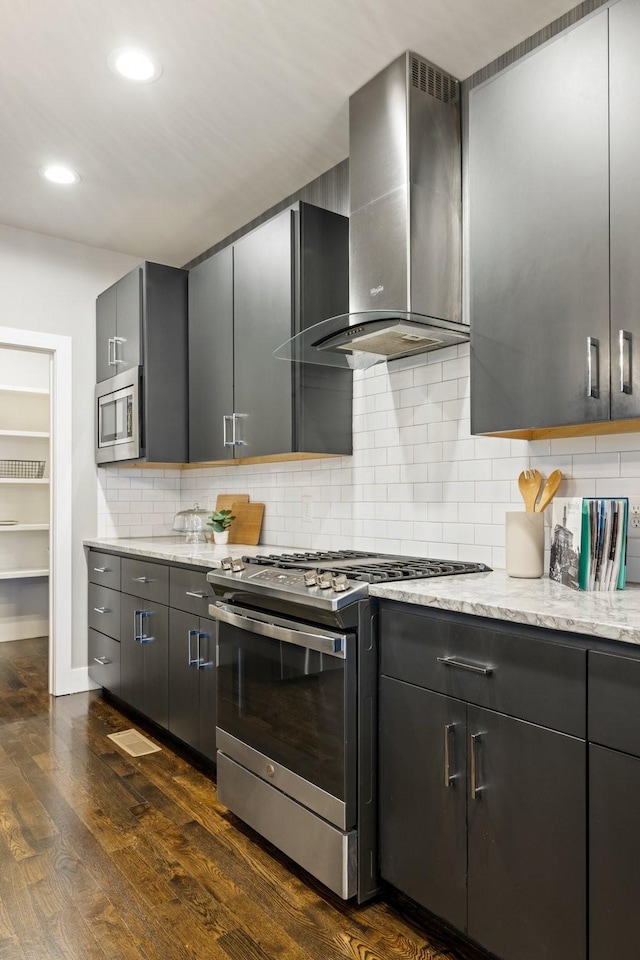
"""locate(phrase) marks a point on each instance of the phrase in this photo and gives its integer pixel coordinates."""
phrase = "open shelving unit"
(24, 544)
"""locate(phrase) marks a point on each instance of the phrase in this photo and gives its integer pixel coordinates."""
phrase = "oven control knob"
(340, 583)
(270, 770)
(226, 563)
(325, 581)
(237, 566)
(310, 578)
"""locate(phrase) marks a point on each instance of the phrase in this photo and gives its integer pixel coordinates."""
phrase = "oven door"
(117, 418)
(287, 707)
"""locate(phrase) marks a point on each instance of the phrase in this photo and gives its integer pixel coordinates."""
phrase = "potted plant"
(220, 522)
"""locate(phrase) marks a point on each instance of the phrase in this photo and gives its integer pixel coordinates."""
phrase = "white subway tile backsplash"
(417, 482)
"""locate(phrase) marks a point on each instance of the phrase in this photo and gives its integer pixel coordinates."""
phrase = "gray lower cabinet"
(538, 252)
(245, 301)
(192, 680)
(614, 801)
(104, 661)
(144, 657)
(483, 815)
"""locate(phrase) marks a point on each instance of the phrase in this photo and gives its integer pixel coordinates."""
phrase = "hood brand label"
(374, 291)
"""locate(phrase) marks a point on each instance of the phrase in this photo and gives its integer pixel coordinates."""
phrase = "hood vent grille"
(426, 77)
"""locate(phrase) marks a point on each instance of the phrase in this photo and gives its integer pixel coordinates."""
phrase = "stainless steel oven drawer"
(325, 852)
(142, 578)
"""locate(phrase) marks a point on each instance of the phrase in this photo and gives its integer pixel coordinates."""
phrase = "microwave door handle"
(297, 634)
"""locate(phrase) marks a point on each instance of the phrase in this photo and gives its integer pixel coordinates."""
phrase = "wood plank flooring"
(110, 857)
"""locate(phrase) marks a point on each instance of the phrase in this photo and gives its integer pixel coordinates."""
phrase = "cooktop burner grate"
(367, 567)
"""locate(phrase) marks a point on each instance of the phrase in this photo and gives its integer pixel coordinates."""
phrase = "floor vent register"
(133, 743)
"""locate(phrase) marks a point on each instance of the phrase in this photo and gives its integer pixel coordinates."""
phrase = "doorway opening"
(36, 558)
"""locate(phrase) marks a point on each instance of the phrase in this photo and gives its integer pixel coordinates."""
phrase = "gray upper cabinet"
(539, 236)
(141, 322)
(244, 302)
(210, 355)
(624, 119)
(119, 327)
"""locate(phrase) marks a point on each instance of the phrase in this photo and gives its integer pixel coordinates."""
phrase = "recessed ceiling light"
(58, 173)
(135, 64)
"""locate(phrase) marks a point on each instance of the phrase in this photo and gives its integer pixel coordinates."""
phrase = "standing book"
(589, 542)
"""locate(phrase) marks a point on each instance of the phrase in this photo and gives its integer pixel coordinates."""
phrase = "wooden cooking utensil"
(529, 483)
(550, 489)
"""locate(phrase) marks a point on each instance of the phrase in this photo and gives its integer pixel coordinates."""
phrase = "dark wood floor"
(109, 857)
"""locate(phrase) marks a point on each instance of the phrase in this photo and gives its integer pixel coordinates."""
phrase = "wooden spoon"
(529, 483)
(550, 489)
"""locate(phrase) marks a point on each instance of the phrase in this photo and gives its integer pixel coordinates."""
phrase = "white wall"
(50, 286)
(417, 482)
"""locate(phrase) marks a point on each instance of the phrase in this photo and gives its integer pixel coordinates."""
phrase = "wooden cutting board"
(225, 501)
(248, 523)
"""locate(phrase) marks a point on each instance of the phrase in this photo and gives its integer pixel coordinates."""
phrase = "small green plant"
(221, 521)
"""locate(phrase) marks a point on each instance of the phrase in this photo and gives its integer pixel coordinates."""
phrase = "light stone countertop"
(175, 550)
(539, 603)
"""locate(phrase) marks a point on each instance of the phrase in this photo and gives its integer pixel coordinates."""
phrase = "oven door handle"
(298, 634)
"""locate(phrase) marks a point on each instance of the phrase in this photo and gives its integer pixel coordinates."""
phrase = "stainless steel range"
(297, 703)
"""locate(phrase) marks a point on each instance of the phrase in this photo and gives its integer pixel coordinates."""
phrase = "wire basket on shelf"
(22, 469)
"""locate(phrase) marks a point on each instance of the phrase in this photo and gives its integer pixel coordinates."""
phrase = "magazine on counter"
(589, 542)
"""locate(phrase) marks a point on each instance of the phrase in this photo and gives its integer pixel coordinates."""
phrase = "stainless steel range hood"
(405, 223)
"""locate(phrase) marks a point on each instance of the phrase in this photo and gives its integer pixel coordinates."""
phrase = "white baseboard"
(76, 680)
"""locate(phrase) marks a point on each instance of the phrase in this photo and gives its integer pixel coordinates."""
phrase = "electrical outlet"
(634, 517)
(307, 512)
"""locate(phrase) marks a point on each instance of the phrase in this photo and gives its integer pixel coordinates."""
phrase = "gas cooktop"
(328, 579)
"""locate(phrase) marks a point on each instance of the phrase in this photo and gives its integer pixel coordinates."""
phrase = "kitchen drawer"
(104, 661)
(142, 578)
(104, 610)
(614, 702)
(104, 569)
(509, 671)
(189, 590)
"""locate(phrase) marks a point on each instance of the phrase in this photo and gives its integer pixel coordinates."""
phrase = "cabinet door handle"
(116, 359)
(624, 346)
(476, 739)
(197, 594)
(593, 367)
(101, 610)
(111, 348)
(191, 660)
(138, 630)
(143, 580)
(463, 665)
(449, 743)
(203, 663)
(238, 441)
(103, 661)
(225, 421)
(101, 569)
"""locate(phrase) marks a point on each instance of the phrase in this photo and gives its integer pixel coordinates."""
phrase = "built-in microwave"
(118, 419)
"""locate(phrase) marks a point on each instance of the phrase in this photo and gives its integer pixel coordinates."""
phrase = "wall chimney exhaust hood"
(405, 175)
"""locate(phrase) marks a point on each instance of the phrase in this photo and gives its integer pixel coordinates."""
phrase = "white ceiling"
(252, 104)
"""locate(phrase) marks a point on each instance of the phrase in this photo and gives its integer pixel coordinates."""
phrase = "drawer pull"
(101, 569)
(101, 610)
(462, 665)
(103, 661)
(475, 789)
(449, 741)
(197, 594)
(143, 580)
